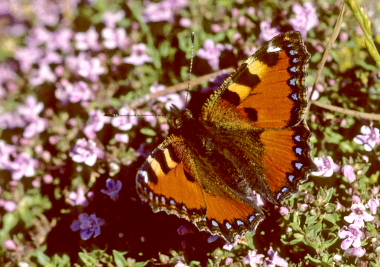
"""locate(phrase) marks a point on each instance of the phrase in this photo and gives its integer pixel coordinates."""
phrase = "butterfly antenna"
(131, 115)
(191, 65)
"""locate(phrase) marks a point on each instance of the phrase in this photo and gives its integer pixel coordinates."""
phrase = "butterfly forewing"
(267, 91)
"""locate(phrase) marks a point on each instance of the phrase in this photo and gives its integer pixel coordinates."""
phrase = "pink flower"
(115, 38)
(27, 56)
(254, 259)
(122, 138)
(284, 210)
(35, 126)
(370, 137)
(170, 99)
(126, 121)
(47, 12)
(8, 205)
(348, 171)
(352, 236)
(229, 246)
(23, 165)
(87, 40)
(61, 40)
(150, 118)
(38, 36)
(86, 66)
(267, 32)
(357, 252)
(78, 198)
(373, 204)
(358, 215)
(110, 19)
(228, 261)
(274, 259)
(42, 75)
(180, 264)
(79, 91)
(326, 166)
(138, 56)
(185, 22)
(85, 151)
(96, 123)
(6, 151)
(211, 53)
(73, 92)
(163, 11)
(306, 18)
(155, 12)
(10, 244)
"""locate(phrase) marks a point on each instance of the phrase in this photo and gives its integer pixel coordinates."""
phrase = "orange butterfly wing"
(267, 95)
(167, 183)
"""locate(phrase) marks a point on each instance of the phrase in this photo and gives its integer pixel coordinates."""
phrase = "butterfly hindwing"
(167, 182)
(289, 151)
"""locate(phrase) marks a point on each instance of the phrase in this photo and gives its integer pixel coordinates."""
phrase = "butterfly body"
(250, 136)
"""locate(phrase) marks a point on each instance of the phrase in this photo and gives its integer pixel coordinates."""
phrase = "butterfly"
(251, 136)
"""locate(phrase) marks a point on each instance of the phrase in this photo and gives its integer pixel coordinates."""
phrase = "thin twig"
(176, 88)
(353, 113)
(327, 52)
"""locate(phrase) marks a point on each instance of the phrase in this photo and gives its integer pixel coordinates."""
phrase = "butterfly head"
(177, 117)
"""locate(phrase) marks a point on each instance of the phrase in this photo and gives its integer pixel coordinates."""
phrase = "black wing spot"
(247, 79)
(251, 114)
(159, 156)
(151, 174)
(172, 154)
(189, 177)
(231, 97)
(270, 59)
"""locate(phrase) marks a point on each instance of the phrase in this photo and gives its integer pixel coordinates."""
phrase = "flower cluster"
(26, 117)
(19, 164)
(306, 18)
(352, 234)
(273, 259)
(211, 53)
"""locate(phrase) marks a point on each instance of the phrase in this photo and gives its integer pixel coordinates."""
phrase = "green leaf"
(10, 220)
(298, 238)
(43, 259)
(327, 244)
(148, 131)
(119, 258)
(310, 219)
(333, 218)
(312, 259)
(140, 264)
(314, 231)
(87, 259)
(61, 261)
